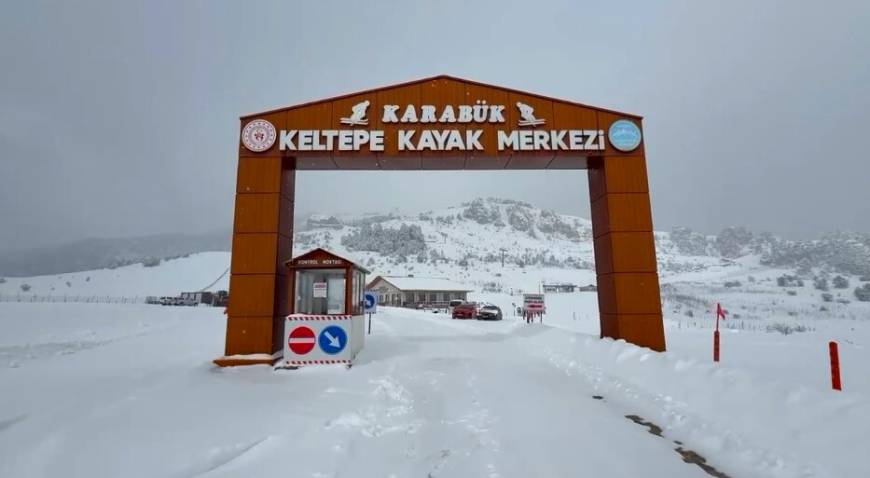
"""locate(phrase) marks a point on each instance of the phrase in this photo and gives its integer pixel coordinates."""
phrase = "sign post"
(371, 299)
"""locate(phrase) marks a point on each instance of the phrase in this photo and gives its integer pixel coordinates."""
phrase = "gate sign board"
(534, 303)
(439, 123)
(318, 339)
(371, 305)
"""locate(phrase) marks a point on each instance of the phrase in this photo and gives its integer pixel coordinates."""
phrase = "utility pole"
(503, 250)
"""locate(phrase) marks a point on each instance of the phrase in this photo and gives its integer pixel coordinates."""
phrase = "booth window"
(320, 291)
(358, 292)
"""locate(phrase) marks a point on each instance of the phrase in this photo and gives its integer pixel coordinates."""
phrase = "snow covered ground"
(93, 390)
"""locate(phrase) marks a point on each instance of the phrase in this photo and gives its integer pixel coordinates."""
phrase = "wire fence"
(88, 299)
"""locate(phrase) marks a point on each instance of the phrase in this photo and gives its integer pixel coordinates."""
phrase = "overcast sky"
(121, 118)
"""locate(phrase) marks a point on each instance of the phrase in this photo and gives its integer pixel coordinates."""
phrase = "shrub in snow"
(25, 287)
(480, 212)
(733, 283)
(864, 278)
(787, 280)
(827, 297)
(552, 223)
(863, 293)
(733, 241)
(792, 292)
(820, 283)
(445, 220)
(436, 256)
(688, 242)
(840, 282)
(804, 268)
(786, 329)
(151, 262)
(2, 280)
(520, 218)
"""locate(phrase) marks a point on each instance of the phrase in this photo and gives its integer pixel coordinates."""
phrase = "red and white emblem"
(259, 135)
(301, 340)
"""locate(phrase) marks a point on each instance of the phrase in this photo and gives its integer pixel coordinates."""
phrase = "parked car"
(467, 310)
(489, 312)
(453, 303)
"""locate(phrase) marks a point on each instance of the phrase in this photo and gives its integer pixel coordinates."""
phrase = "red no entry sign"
(301, 340)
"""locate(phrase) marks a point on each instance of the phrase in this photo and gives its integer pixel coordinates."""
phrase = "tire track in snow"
(629, 399)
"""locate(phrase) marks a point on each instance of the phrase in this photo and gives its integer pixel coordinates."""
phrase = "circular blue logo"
(332, 339)
(624, 135)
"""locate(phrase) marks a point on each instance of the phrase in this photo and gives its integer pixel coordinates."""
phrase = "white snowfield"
(98, 390)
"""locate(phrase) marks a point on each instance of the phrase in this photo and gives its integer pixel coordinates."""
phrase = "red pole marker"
(835, 366)
(720, 312)
(716, 346)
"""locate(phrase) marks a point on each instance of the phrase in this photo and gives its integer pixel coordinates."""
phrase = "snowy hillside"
(136, 281)
(501, 246)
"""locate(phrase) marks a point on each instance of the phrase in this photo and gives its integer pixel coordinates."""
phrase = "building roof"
(318, 254)
(423, 283)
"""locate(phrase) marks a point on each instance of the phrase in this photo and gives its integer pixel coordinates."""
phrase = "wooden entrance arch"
(314, 136)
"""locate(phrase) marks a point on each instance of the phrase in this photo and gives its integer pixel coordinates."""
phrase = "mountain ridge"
(523, 234)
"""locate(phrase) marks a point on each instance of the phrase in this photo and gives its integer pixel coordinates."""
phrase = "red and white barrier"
(318, 317)
(314, 362)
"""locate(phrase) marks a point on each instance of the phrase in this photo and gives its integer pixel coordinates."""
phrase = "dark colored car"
(489, 312)
(467, 310)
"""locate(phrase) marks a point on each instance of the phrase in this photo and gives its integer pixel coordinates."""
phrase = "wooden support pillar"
(262, 242)
(629, 300)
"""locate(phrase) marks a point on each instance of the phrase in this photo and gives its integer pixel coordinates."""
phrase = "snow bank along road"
(91, 390)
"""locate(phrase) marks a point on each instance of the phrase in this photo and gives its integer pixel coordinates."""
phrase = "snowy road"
(132, 392)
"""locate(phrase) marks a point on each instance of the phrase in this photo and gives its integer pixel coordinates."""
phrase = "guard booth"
(326, 323)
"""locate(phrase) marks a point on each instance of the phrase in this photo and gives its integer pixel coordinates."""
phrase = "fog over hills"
(485, 230)
(87, 254)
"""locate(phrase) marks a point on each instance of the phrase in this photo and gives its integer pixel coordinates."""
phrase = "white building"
(417, 292)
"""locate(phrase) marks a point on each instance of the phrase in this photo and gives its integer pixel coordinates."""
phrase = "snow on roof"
(426, 283)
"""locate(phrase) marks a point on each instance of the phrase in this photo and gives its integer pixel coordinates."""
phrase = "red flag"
(720, 312)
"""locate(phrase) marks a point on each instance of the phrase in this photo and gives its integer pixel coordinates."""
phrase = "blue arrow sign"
(332, 339)
(371, 299)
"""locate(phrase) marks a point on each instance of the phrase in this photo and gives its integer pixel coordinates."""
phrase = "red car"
(467, 310)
